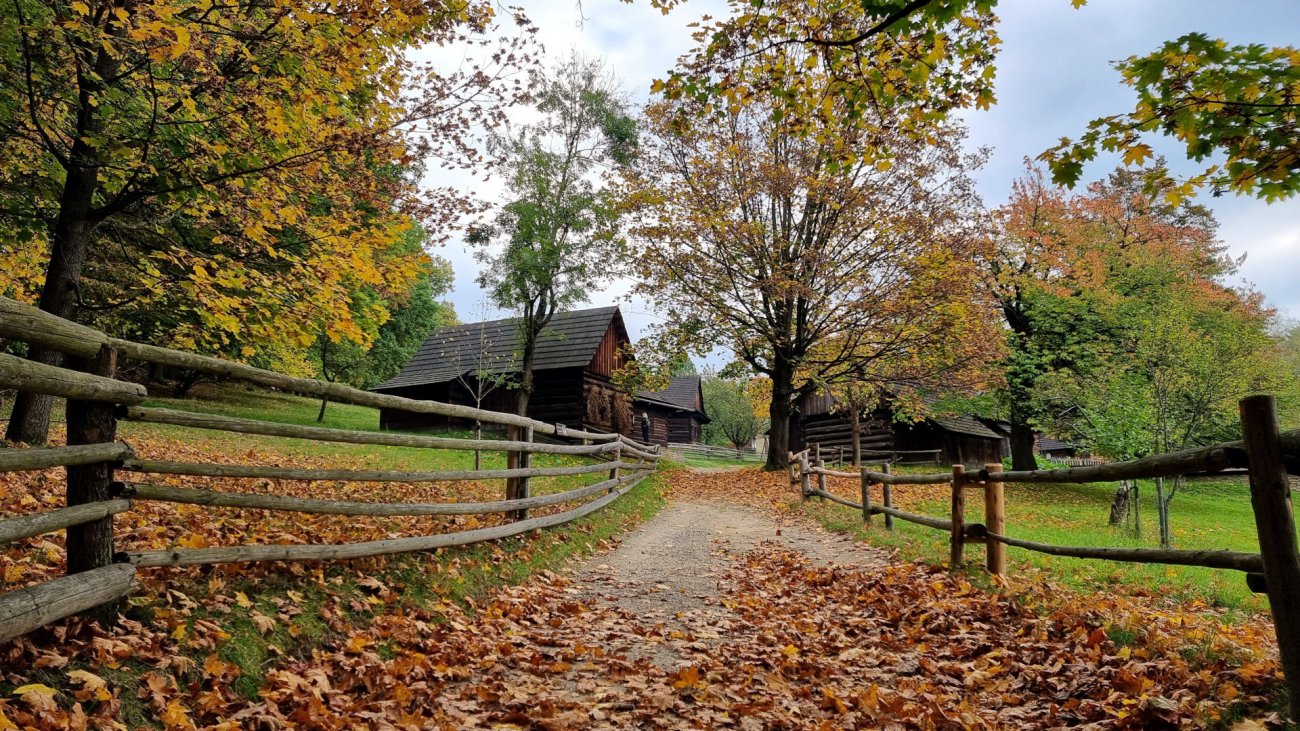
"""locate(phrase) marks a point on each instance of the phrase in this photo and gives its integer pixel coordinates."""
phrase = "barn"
(577, 355)
(957, 439)
(674, 416)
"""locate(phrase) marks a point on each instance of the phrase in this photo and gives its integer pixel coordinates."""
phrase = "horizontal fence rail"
(217, 499)
(242, 554)
(195, 469)
(98, 576)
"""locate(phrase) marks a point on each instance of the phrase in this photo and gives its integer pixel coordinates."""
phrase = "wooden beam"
(1270, 496)
(239, 554)
(160, 467)
(18, 459)
(1234, 560)
(995, 512)
(320, 434)
(26, 526)
(26, 375)
(24, 610)
(219, 499)
(337, 392)
(28, 324)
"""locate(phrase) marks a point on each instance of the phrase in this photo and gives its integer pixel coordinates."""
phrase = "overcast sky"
(1054, 75)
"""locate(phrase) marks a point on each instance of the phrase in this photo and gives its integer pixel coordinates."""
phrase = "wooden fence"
(708, 450)
(98, 575)
(1268, 456)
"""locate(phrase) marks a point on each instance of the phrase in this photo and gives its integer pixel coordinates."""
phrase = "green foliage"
(732, 421)
(1237, 102)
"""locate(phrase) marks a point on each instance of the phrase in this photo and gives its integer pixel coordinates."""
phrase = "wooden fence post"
(613, 471)
(866, 497)
(821, 477)
(805, 487)
(1270, 496)
(887, 491)
(90, 545)
(958, 516)
(995, 519)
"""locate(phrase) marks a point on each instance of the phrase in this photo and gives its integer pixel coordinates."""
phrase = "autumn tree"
(812, 265)
(554, 241)
(219, 135)
(395, 319)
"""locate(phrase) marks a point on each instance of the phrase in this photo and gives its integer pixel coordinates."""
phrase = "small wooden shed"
(675, 415)
(577, 355)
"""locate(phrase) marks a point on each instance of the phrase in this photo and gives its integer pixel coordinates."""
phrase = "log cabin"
(675, 415)
(577, 355)
(957, 439)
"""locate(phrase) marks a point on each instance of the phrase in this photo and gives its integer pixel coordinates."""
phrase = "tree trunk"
(1119, 506)
(514, 460)
(30, 420)
(321, 416)
(778, 452)
(1162, 512)
(1022, 442)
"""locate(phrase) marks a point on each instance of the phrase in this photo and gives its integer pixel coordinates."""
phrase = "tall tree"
(232, 122)
(812, 264)
(555, 240)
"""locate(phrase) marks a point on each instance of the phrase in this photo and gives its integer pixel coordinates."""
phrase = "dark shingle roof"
(965, 425)
(569, 341)
(681, 393)
(1048, 444)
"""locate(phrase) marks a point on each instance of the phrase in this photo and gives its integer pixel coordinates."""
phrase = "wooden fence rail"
(98, 576)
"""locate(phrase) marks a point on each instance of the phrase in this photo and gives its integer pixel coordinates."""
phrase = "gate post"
(1270, 497)
(866, 497)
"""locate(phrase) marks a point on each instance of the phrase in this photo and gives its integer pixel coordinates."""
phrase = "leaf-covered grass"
(1205, 514)
(708, 461)
(237, 626)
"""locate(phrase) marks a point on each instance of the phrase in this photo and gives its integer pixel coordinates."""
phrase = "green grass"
(1205, 514)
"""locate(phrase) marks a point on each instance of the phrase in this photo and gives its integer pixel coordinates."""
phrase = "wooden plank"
(240, 554)
(26, 526)
(24, 610)
(321, 434)
(925, 520)
(1235, 560)
(219, 499)
(18, 459)
(1270, 496)
(25, 375)
(284, 473)
(335, 391)
(28, 324)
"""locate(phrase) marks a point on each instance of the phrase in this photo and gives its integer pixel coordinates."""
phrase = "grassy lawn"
(1206, 514)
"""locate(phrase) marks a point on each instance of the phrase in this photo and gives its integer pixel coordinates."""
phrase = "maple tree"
(811, 263)
(1233, 104)
(229, 136)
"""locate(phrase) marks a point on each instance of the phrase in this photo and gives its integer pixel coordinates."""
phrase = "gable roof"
(570, 340)
(968, 425)
(682, 393)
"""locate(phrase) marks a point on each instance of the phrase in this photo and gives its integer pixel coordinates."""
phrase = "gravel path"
(667, 572)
